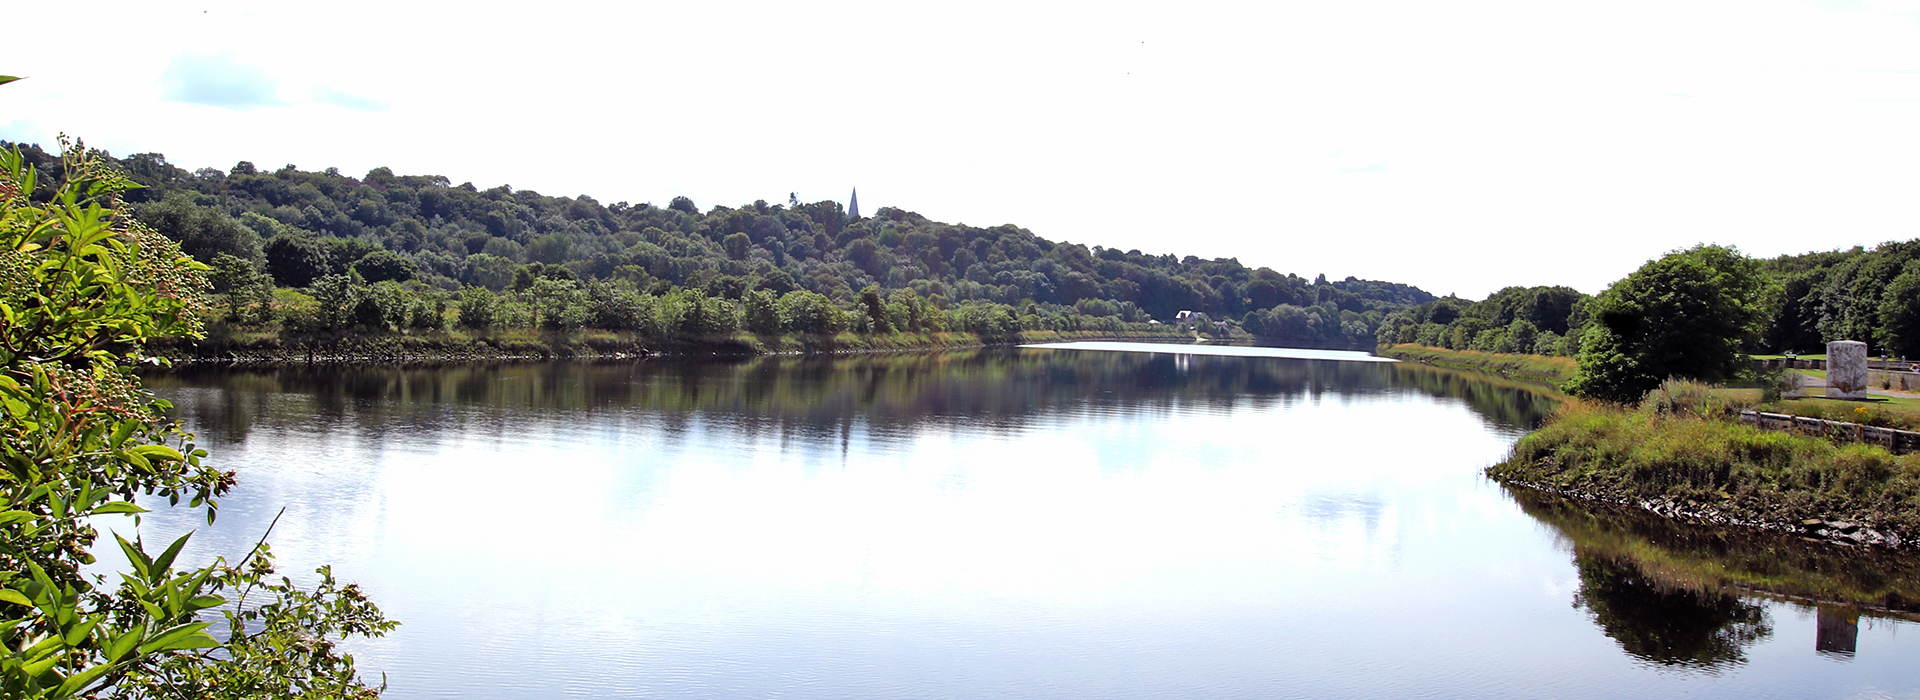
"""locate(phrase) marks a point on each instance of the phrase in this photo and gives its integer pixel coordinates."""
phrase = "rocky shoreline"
(1839, 529)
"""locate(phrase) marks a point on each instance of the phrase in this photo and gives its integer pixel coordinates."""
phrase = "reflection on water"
(1689, 594)
(995, 523)
(1667, 624)
(824, 393)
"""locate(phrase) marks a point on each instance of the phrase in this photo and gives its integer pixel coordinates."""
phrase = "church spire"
(853, 204)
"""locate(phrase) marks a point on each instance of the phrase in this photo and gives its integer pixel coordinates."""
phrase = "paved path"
(1811, 381)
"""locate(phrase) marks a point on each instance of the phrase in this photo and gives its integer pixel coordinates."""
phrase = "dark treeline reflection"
(989, 387)
(1666, 624)
(1677, 593)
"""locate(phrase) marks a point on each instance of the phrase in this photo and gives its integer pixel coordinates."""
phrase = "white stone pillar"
(1846, 369)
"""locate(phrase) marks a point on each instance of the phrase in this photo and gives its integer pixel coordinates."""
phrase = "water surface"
(986, 524)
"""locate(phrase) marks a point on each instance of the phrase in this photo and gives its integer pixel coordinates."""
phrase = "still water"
(1073, 523)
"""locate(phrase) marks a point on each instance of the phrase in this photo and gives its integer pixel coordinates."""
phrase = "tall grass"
(1686, 450)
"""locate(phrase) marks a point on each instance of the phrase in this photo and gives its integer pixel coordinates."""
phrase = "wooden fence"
(1894, 440)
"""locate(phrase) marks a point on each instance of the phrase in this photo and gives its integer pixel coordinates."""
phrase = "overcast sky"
(1459, 146)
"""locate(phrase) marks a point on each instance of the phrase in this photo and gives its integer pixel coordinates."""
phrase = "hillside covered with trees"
(324, 251)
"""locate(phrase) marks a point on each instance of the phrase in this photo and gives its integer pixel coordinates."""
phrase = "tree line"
(325, 250)
(1529, 320)
(1866, 294)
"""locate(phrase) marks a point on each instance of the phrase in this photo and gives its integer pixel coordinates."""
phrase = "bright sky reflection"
(1134, 532)
(1217, 350)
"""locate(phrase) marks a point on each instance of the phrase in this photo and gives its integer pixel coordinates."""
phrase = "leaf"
(117, 507)
(14, 516)
(161, 451)
(4, 79)
(123, 645)
(122, 431)
(15, 597)
(75, 683)
(187, 636)
(79, 633)
(164, 562)
(136, 556)
(39, 667)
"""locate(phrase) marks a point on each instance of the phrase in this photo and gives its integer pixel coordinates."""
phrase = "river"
(1032, 522)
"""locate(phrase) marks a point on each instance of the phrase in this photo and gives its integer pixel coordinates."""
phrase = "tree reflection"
(1671, 592)
(991, 387)
(1666, 624)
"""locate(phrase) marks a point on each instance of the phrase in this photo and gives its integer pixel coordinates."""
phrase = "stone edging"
(1833, 531)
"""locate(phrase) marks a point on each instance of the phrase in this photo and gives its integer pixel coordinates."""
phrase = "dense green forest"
(1870, 295)
(323, 251)
(1535, 320)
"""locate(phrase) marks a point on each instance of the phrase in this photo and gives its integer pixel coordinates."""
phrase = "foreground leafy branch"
(82, 290)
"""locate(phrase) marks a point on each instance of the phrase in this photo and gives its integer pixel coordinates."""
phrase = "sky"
(1461, 146)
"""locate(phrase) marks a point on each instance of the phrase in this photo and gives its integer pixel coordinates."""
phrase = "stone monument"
(1846, 369)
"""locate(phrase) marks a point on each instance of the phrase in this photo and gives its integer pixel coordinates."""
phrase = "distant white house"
(1185, 318)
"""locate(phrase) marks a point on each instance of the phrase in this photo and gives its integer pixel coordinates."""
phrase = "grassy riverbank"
(1693, 461)
(239, 345)
(1537, 369)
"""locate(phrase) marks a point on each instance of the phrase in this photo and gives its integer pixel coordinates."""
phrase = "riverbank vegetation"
(1646, 428)
(1681, 454)
(304, 253)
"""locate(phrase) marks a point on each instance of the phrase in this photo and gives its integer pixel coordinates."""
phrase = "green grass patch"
(1537, 369)
(1702, 457)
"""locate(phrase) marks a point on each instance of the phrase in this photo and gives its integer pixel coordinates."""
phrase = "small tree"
(384, 265)
(478, 307)
(296, 260)
(761, 311)
(249, 292)
(737, 245)
(1520, 336)
(1685, 315)
(876, 310)
(561, 304)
